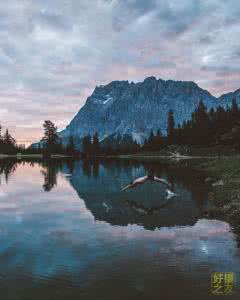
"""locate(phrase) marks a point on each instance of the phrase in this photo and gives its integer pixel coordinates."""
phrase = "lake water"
(67, 231)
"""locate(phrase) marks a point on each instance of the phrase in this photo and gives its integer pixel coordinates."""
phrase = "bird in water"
(150, 177)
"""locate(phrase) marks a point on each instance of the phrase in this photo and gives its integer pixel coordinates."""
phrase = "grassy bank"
(158, 158)
(180, 152)
(224, 176)
(222, 172)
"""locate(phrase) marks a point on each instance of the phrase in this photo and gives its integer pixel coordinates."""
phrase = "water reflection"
(49, 169)
(99, 184)
(62, 244)
(7, 167)
(49, 172)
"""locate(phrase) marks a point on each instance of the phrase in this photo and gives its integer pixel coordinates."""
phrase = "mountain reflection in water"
(68, 232)
(99, 185)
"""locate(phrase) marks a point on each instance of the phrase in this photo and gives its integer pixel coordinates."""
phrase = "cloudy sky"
(53, 53)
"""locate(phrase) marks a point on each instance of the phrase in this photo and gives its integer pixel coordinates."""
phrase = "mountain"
(123, 108)
(227, 98)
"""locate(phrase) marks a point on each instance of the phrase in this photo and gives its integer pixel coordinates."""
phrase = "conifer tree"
(170, 126)
(70, 149)
(50, 139)
(8, 139)
(96, 145)
(201, 124)
(87, 145)
(158, 140)
(234, 112)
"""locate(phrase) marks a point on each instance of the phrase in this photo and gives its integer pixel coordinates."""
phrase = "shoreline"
(153, 157)
(33, 156)
(171, 157)
(224, 197)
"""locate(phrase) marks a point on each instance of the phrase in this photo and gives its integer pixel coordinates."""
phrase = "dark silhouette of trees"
(233, 115)
(206, 128)
(220, 126)
(7, 143)
(170, 127)
(87, 145)
(51, 141)
(108, 150)
(154, 142)
(200, 125)
(0, 133)
(91, 146)
(70, 148)
(150, 141)
(95, 145)
(126, 145)
(234, 110)
(159, 140)
(8, 139)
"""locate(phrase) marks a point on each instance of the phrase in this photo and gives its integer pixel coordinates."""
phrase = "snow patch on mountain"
(107, 100)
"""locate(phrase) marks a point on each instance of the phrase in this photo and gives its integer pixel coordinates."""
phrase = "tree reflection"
(7, 168)
(91, 168)
(50, 171)
(50, 179)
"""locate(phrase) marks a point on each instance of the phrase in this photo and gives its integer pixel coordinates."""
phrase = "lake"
(67, 231)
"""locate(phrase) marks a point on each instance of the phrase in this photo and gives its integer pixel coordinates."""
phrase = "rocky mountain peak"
(134, 109)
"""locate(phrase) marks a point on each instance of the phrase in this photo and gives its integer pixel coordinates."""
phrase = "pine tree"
(50, 139)
(200, 115)
(170, 127)
(212, 115)
(8, 143)
(221, 121)
(1, 140)
(159, 142)
(96, 145)
(201, 124)
(151, 140)
(70, 149)
(234, 106)
(8, 139)
(87, 145)
(234, 112)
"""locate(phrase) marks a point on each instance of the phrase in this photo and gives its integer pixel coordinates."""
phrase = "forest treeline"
(206, 128)
(7, 142)
(220, 126)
